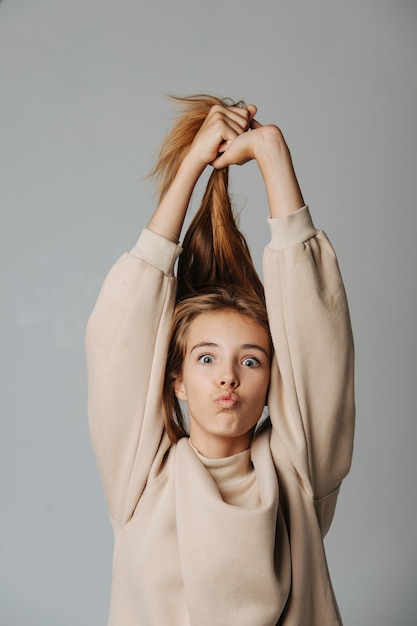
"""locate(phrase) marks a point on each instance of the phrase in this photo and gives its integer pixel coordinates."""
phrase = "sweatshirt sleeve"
(311, 399)
(126, 345)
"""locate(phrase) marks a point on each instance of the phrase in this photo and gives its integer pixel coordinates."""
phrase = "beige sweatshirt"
(238, 541)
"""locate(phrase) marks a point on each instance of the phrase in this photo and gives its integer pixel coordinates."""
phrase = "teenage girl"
(218, 515)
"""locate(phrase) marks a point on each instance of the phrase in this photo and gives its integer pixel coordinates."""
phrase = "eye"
(205, 358)
(250, 361)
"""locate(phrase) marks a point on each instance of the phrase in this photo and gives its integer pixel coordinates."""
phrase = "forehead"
(225, 326)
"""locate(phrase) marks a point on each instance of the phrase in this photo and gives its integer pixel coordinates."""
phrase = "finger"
(223, 146)
(227, 128)
(222, 159)
(252, 110)
(218, 163)
(255, 124)
(246, 115)
(238, 115)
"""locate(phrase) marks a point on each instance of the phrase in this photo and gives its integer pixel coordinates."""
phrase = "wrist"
(192, 165)
(270, 146)
(274, 161)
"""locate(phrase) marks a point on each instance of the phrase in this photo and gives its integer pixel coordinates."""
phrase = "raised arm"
(311, 394)
(128, 331)
(126, 346)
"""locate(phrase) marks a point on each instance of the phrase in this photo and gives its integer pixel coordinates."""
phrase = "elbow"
(325, 508)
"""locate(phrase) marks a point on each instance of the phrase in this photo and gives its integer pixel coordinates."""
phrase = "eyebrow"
(246, 346)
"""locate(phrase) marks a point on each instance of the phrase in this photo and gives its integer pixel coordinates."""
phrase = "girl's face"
(224, 380)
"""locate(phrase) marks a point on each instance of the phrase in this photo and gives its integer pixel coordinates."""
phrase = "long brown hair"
(215, 270)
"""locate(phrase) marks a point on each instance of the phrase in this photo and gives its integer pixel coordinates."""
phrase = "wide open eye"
(250, 361)
(205, 358)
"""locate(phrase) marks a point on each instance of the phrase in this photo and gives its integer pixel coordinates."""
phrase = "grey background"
(81, 112)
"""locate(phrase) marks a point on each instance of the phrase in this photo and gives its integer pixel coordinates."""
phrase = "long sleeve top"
(236, 541)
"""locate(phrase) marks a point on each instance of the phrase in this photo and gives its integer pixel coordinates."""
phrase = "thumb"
(252, 109)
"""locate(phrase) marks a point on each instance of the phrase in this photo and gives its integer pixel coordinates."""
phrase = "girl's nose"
(228, 381)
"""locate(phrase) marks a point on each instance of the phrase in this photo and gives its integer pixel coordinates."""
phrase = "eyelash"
(203, 356)
(255, 361)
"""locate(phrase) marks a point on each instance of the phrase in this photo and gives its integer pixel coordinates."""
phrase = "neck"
(220, 448)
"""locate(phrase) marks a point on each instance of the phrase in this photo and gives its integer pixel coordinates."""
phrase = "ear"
(179, 389)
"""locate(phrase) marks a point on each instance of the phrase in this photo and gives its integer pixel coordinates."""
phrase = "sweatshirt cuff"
(157, 250)
(291, 229)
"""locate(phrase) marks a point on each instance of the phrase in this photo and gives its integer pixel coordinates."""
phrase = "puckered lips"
(227, 400)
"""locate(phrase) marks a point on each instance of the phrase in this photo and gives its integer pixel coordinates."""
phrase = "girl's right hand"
(222, 125)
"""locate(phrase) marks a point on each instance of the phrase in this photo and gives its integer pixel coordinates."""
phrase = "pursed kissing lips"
(227, 400)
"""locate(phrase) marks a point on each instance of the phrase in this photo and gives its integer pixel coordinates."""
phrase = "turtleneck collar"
(234, 476)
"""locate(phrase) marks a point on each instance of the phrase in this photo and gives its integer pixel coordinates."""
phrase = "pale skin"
(233, 132)
(224, 379)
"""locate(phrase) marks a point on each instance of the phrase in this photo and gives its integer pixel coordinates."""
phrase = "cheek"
(262, 388)
(198, 385)
(200, 390)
